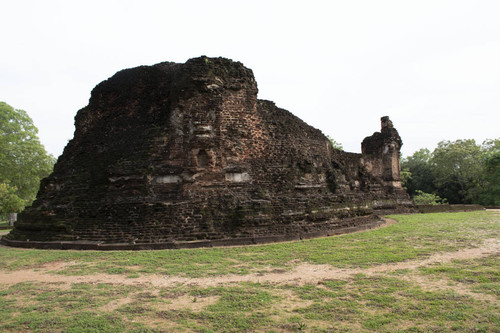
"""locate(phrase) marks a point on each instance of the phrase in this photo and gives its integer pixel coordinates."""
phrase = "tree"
(458, 170)
(422, 198)
(405, 177)
(10, 203)
(23, 159)
(491, 146)
(489, 193)
(417, 172)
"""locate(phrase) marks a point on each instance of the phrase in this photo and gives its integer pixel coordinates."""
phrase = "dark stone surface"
(178, 153)
(446, 208)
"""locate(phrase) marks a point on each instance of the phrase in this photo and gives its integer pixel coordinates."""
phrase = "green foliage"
(459, 171)
(489, 193)
(9, 201)
(23, 159)
(422, 198)
(335, 144)
(417, 172)
(406, 178)
(458, 168)
(491, 147)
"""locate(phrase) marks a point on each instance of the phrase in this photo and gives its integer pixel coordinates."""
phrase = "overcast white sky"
(432, 66)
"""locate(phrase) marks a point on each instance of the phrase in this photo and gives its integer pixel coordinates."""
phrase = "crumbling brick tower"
(381, 155)
(183, 155)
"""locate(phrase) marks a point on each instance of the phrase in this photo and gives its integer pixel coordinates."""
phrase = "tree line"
(456, 172)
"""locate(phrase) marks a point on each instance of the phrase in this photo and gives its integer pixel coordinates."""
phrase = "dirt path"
(302, 274)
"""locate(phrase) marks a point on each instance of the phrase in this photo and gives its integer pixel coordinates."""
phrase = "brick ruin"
(185, 155)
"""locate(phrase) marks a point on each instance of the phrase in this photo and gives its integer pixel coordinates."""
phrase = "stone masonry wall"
(186, 154)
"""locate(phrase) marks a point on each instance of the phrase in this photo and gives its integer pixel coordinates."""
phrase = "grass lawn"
(375, 288)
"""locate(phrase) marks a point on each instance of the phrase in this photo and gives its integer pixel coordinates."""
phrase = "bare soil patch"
(113, 305)
(432, 284)
(189, 302)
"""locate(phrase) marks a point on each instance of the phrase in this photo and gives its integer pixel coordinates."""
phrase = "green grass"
(45, 307)
(415, 236)
(360, 304)
(388, 301)
(482, 275)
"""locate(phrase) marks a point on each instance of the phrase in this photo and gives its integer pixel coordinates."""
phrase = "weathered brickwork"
(176, 155)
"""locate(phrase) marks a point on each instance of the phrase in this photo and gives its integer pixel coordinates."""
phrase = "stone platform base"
(85, 245)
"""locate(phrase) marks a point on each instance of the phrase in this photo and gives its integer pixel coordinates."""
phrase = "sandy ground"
(302, 274)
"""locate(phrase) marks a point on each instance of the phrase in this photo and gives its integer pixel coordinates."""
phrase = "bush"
(422, 198)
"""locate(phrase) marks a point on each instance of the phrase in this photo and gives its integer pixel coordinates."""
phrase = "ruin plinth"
(183, 155)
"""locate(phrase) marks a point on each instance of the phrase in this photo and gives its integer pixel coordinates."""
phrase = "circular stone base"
(86, 245)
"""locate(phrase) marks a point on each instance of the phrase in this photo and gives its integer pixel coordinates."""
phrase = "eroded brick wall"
(186, 152)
